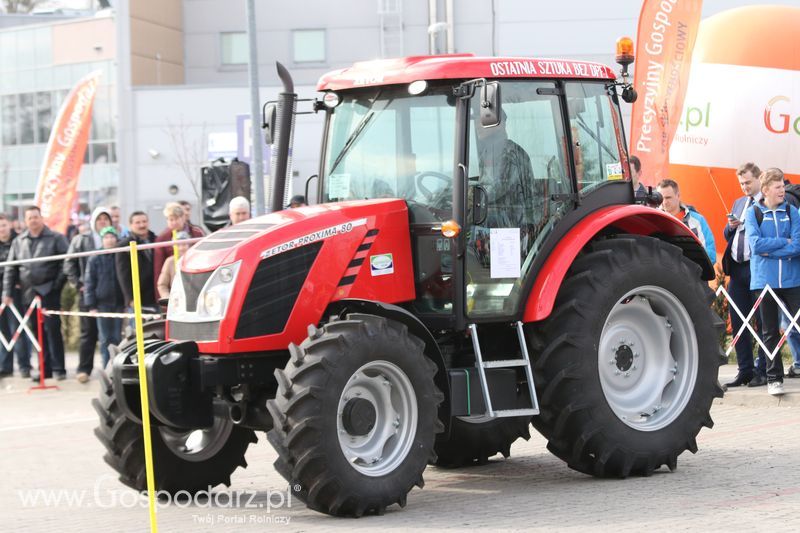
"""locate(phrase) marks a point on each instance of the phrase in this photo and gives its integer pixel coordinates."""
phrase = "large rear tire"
(355, 416)
(626, 366)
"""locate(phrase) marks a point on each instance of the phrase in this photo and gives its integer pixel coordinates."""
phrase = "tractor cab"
(490, 154)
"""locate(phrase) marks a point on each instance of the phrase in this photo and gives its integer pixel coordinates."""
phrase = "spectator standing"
(168, 272)
(238, 210)
(8, 322)
(672, 204)
(176, 221)
(116, 221)
(298, 200)
(639, 192)
(772, 227)
(187, 210)
(736, 264)
(43, 279)
(75, 271)
(102, 294)
(140, 232)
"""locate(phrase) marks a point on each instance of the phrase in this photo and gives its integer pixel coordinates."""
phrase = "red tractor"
(476, 263)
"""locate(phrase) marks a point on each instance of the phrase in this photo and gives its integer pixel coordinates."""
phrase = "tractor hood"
(272, 234)
(257, 285)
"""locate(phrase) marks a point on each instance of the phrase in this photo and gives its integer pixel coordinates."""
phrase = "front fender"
(632, 219)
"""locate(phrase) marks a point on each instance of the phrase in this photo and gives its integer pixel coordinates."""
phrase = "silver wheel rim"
(198, 444)
(392, 396)
(648, 358)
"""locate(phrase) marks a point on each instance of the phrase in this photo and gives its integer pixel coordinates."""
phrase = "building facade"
(175, 76)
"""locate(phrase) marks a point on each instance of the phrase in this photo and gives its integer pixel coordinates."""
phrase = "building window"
(234, 49)
(26, 118)
(44, 116)
(8, 116)
(308, 46)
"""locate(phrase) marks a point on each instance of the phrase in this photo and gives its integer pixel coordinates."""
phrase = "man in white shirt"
(736, 264)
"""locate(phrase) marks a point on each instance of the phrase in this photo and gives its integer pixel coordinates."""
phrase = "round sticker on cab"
(381, 264)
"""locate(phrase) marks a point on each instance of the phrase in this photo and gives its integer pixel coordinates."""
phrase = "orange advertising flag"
(61, 168)
(666, 37)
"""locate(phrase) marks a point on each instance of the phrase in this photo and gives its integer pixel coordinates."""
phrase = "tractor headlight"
(177, 297)
(216, 294)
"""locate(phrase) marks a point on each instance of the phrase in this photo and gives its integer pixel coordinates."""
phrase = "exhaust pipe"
(281, 159)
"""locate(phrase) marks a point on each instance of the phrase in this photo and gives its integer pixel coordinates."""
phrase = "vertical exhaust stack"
(281, 159)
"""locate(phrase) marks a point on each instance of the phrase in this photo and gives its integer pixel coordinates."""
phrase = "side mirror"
(269, 118)
(490, 104)
(480, 205)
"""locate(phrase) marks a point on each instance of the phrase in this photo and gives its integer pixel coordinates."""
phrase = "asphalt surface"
(745, 476)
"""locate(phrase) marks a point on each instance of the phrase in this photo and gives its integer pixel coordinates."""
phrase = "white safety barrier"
(22, 325)
(732, 307)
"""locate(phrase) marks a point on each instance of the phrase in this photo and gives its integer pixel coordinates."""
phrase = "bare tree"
(190, 151)
(20, 6)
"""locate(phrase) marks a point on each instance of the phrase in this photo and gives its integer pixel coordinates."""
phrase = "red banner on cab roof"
(61, 168)
(666, 37)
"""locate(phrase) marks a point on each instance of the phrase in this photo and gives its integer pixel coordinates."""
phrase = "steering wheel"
(419, 177)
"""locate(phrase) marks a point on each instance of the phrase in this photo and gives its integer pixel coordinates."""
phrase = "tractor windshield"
(385, 143)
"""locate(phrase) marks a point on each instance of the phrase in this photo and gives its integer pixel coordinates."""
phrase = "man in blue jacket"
(671, 194)
(772, 227)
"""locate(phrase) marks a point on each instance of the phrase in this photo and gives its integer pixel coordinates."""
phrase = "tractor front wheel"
(355, 416)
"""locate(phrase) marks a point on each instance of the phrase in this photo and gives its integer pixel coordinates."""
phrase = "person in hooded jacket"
(103, 293)
(75, 271)
(773, 234)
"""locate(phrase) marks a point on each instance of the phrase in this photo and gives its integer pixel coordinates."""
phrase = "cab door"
(520, 169)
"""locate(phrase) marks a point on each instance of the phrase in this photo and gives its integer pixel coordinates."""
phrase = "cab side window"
(596, 134)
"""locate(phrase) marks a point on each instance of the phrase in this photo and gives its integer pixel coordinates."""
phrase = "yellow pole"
(148, 447)
(175, 249)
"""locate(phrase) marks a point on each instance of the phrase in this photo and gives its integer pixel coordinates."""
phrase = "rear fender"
(630, 219)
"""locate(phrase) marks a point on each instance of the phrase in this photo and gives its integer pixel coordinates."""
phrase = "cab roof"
(458, 66)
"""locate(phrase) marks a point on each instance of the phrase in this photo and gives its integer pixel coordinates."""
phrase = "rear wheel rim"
(197, 445)
(386, 445)
(648, 358)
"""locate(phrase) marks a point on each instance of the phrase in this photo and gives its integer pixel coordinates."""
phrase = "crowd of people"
(762, 249)
(103, 282)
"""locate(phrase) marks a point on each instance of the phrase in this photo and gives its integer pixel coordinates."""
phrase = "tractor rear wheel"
(626, 366)
(355, 416)
(475, 439)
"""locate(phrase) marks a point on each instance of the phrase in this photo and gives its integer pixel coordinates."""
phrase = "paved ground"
(744, 477)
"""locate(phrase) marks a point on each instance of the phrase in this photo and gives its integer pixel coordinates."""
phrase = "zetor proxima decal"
(345, 227)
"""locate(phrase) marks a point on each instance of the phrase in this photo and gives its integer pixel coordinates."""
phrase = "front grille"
(193, 331)
(192, 285)
(273, 291)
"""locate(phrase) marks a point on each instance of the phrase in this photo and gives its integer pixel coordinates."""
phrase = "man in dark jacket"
(8, 322)
(75, 270)
(44, 279)
(736, 264)
(140, 232)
